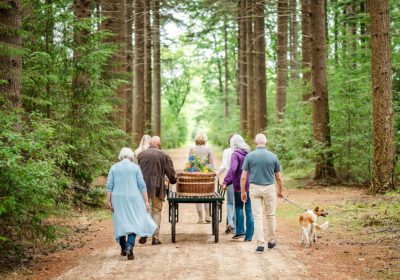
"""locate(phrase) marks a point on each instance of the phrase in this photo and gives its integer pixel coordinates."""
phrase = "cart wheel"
(173, 223)
(216, 223)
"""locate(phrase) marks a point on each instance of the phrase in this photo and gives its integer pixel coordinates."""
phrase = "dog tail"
(324, 226)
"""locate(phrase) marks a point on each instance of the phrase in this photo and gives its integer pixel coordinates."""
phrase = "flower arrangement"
(198, 164)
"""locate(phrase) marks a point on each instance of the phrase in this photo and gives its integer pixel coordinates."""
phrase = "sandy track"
(194, 256)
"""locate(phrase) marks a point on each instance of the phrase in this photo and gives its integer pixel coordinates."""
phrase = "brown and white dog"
(309, 226)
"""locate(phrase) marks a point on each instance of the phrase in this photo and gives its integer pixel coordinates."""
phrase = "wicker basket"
(195, 183)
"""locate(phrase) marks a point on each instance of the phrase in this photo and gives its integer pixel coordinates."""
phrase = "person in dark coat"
(155, 165)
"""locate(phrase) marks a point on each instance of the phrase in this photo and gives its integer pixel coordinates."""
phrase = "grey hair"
(126, 153)
(237, 142)
(260, 139)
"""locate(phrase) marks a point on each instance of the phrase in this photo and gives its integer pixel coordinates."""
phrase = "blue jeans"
(230, 197)
(127, 244)
(240, 216)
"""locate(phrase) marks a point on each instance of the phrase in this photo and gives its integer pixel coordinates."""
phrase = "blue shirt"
(262, 165)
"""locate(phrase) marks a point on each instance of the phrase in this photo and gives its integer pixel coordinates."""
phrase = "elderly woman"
(240, 150)
(144, 145)
(204, 152)
(230, 193)
(127, 199)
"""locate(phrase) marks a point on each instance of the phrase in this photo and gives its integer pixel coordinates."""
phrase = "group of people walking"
(136, 188)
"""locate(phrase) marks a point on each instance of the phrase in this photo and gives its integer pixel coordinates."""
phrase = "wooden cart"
(215, 200)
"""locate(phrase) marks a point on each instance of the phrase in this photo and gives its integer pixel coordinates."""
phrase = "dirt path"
(196, 256)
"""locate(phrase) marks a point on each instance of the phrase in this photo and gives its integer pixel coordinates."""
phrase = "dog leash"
(294, 204)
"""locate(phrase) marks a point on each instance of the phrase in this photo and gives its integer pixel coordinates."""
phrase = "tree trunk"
(352, 32)
(80, 81)
(157, 69)
(114, 12)
(306, 48)
(384, 172)
(226, 67)
(294, 72)
(260, 73)
(10, 63)
(139, 72)
(49, 37)
(336, 33)
(281, 63)
(129, 66)
(324, 170)
(243, 66)
(147, 68)
(250, 68)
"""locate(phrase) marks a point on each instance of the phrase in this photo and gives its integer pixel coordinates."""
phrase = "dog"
(308, 223)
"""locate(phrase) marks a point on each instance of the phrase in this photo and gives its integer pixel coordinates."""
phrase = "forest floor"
(359, 244)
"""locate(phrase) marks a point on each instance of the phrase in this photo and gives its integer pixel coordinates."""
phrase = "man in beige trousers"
(262, 166)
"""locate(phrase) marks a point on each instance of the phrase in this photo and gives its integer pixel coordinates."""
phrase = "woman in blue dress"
(127, 199)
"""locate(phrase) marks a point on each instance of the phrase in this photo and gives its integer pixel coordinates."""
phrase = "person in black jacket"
(155, 165)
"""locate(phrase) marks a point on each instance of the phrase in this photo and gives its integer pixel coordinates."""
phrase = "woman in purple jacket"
(241, 149)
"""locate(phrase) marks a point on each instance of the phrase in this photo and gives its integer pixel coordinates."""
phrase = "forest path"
(196, 256)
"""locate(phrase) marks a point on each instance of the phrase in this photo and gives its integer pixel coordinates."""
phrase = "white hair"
(126, 153)
(261, 139)
(237, 142)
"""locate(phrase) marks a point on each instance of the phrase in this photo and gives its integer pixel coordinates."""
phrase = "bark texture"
(80, 81)
(242, 67)
(250, 68)
(226, 68)
(138, 129)
(306, 48)
(294, 71)
(147, 68)
(260, 72)
(10, 62)
(281, 63)
(129, 66)
(157, 69)
(324, 170)
(114, 12)
(384, 176)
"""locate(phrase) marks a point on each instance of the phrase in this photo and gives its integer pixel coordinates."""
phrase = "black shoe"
(130, 255)
(123, 252)
(237, 236)
(247, 240)
(260, 249)
(142, 240)
(156, 242)
(271, 245)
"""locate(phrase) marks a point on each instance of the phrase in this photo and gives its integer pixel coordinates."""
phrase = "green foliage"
(176, 86)
(292, 139)
(62, 138)
(30, 179)
(174, 129)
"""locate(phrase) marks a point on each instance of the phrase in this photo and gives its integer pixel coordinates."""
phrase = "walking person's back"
(127, 199)
(155, 165)
(263, 169)
(205, 153)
